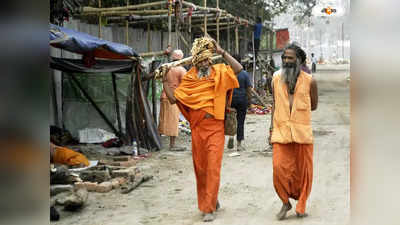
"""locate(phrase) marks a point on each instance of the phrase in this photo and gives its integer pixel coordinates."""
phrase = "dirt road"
(246, 193)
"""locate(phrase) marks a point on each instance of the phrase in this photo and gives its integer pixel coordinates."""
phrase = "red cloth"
(282, 38)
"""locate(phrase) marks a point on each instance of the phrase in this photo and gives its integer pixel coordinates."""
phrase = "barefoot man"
(295, 95)
(201, 97)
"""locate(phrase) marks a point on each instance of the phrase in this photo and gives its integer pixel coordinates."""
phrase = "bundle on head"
(203, 48)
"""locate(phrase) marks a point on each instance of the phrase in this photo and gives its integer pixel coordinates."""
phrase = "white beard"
(289, 76)
(203, 72)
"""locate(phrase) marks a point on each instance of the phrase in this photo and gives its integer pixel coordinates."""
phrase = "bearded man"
(295, 95)
(202, 97)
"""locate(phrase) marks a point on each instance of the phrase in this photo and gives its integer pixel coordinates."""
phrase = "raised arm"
(314, 94)
(236, 66)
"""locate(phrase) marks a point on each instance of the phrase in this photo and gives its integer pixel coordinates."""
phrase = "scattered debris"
(95, 135)
(74, 200)
(59, 188)
(233, 154)
(130, 187)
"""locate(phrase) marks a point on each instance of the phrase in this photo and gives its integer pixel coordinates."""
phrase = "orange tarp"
(68, 156)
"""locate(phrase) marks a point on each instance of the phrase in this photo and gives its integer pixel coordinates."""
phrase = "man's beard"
(203, 71)
(290, 72)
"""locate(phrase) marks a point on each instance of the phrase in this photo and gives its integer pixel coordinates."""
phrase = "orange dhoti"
(293, 172)
(197, 97)
(169, 118)
(207, 149)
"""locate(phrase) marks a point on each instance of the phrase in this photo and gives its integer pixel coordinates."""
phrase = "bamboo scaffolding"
(89, 10)
(206, 16)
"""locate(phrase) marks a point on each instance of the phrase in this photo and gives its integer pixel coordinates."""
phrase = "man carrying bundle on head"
(202, 98)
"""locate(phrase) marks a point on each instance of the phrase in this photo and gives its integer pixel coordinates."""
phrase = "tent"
(96, 87)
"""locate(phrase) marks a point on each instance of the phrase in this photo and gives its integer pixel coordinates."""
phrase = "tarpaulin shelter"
(107, 65)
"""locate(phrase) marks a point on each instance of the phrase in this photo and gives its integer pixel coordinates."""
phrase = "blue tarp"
(82, 43)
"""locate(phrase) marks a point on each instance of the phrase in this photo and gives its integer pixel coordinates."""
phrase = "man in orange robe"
(295, 95)
(169, 113)
(202, 97)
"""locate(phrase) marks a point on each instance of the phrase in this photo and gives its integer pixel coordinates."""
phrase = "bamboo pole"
(163, 69)
(184, 41)
(237, 39)
(205, 18)
(88, 10)
(127, 26)
(169, 21)
(221, 28)
(148, 38)
(99, 20)
(229, 38)
(148, 54)
(218, 15)
(127, 32)
(190, 24)
(136, 12)
(214, 24)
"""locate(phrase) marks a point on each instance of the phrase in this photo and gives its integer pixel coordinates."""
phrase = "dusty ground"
(246, 193)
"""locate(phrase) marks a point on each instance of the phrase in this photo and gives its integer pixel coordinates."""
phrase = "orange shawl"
(209, 93)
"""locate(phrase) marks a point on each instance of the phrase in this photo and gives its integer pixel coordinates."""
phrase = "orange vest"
(294, 126)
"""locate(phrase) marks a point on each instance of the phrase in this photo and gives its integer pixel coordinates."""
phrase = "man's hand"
(230, 109)
(168, 50)
(218, 48)
(269, 137)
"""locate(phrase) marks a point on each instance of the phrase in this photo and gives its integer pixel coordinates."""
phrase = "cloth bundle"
(203, 48)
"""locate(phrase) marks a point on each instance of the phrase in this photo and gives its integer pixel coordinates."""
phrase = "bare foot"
(208, 217)
(230, 143)
(285, 208)
(301, 215)
(217, 206)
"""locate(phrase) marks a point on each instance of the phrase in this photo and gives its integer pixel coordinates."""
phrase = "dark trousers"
(256, 47)
(241, 109)
(314, 68)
